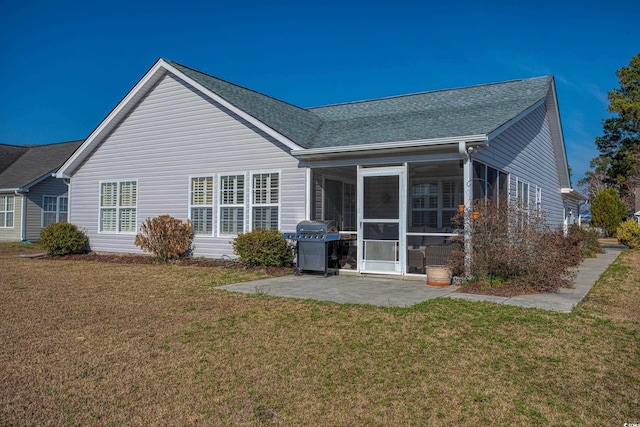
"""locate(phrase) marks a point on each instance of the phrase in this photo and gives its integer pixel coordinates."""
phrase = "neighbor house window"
(265, 201)
(54, 209)
(201, 210)
(7, 204)
(231, 205)
(118, 206)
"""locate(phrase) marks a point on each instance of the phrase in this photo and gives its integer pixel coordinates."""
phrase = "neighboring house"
(392, 172)
(30, 196)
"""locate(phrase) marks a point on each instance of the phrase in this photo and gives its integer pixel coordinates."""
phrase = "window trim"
(246, 193)
(4, 208)
(211, 206)
(117, 206)
(251, 194)
(57, 212)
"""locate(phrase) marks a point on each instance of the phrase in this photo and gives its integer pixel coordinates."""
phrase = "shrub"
(165, 237)
(608, 211)
(586, 238)
(514, 248)
(629, 234)
(263, 248)
(63, 238)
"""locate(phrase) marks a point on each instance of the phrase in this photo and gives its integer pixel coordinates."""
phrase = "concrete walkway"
(396, 292)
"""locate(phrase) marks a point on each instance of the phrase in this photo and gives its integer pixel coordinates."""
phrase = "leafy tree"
(608, 211)
(620, 143)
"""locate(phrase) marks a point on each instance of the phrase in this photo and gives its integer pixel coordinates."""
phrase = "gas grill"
(316, 246)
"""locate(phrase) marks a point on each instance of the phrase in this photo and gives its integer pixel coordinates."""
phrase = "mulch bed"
(497, 291)
(192, 262)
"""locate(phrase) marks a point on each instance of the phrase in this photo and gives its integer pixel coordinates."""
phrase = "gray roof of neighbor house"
(28, 164)
(474, 110)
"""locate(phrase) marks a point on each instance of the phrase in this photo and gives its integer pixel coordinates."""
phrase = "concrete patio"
(397, 292)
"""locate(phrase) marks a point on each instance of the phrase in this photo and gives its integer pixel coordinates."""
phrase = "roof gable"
(35, 162)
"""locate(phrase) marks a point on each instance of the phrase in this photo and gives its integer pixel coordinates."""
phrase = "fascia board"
(556, 107)
(67, 168)
(246, 116)
(397, 145)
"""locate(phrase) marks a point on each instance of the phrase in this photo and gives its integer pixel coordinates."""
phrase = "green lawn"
(90, 343)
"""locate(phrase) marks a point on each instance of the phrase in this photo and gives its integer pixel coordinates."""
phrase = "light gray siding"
(49, 187)
(12, 234)
(173, 133)
(526, 152)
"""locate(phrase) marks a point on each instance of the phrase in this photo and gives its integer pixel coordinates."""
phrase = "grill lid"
(317, 227)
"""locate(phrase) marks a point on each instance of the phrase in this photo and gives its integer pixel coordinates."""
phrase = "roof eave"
(573, 194)
(394, 146)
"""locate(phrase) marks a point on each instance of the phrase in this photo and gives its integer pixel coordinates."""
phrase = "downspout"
(67, 181)
(23, 216)
(466, 170)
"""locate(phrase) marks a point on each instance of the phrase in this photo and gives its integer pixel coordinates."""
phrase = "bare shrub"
(165, 236)
(514, 247)
(587, 239)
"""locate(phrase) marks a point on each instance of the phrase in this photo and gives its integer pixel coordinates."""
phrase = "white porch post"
(468, 188)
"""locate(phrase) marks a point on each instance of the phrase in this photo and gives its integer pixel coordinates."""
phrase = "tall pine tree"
(620, 143)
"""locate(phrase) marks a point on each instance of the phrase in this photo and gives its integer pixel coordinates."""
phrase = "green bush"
(629, 234)
(587, 239)
(165, 237)
(263, 248)
(63, 238)
(608, 211)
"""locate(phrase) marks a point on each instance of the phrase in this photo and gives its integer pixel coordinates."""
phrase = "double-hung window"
(201, 211)
(118, 206)
(265, 201)
(7, 204)
(231, 205)
(54, 209)
(522, 194)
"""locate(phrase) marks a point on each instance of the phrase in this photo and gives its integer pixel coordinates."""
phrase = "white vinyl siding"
(201, 209)
(7, 208)
(118, 206)
(265, 201)
(54, 209)
(175, 133)
(525, 150)
(231, 205)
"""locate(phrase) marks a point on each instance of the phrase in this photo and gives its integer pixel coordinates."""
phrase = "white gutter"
(480, 138)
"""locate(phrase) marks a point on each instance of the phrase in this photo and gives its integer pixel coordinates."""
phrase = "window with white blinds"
(118, 206)
(7, 205)
(231, 205)
(54, 209)
(265, 201)
(201, 205)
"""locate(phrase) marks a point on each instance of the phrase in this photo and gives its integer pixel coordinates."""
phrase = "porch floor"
(404, 292)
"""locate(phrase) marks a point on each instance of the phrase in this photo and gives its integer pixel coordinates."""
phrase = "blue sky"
(66, 64)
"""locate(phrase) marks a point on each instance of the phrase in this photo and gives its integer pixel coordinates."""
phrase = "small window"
(201, 201)
(231, 205)
(523, 194)
(7, 205)
(54, 209)
(118, 206)
(265, 201)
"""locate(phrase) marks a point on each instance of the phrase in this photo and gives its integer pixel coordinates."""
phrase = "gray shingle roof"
(33, 163)
(295, 123)
(474, 110)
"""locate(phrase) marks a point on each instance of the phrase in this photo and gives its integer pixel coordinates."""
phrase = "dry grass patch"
(89, 343)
